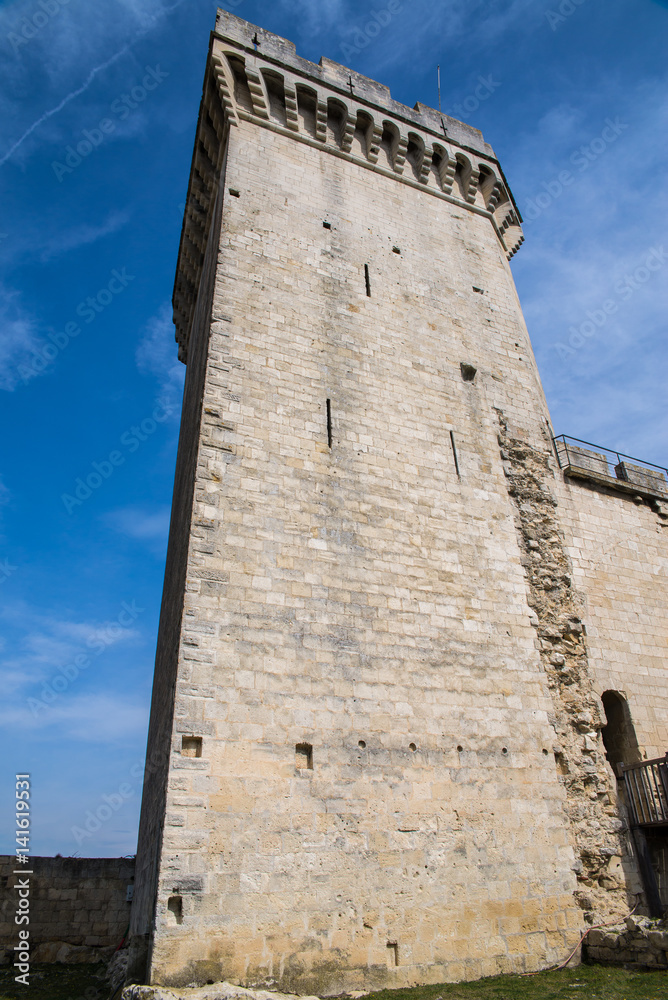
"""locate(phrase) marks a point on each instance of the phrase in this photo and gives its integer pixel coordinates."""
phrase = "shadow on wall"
(619, 735)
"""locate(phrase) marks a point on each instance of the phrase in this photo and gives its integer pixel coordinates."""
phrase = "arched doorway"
(619, 735)
(644, 794)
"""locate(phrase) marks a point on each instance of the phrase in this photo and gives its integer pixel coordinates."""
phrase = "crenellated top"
(255, 76)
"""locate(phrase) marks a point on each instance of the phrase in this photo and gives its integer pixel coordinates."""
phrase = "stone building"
(397, 613)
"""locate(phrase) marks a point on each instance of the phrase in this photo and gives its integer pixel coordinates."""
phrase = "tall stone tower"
(351, 776)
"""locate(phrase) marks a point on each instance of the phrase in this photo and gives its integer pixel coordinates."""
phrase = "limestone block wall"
(162, 701)
(80, 902)
(375, 724)
(363, 789)
(619, 551)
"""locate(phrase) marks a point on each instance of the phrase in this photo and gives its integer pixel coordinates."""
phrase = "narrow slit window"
(329, 423)
(304, 756)
(392, 954)
(367, 280)
(454, 453)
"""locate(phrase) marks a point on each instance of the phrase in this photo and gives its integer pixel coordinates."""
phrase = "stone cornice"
(256, 77)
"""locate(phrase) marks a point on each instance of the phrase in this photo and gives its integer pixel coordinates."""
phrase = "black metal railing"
(646, 785)
(586, 459)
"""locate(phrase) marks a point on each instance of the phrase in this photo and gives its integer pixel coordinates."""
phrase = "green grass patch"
(56, 982)
(595, 982)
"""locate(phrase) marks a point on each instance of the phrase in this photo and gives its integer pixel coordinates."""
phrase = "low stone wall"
(79, 910)
(638, 941)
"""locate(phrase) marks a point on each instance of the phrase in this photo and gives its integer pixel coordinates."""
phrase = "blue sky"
(89, 382)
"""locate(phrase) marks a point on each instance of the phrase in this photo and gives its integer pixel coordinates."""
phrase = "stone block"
(652, 480)
(583, 459)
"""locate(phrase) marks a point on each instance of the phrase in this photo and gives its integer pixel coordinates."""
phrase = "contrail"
(75, 93)
(91, 76)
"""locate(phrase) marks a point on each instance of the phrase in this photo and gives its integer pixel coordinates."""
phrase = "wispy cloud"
(103, 717)
(62, 103)
(434, 29)
(18, 338)
(83, 235)
(46, 643)
(149, 525)
(156, 355)
(315, 18)
(84, 33)
(567, 270)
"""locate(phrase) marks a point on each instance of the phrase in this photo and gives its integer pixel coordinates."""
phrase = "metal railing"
(646, 785)
(586, 459)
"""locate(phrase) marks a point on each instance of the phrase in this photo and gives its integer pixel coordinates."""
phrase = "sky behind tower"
(572, 96)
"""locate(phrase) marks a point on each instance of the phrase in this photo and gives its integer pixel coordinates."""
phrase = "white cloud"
(157, 355)
(147, 525)
(49, 643)
(428, 31)
(22, 335)
(519, 15)
(18, 338)
(313, 18)
(90, 718)
(79, 36)
(83, 235)
(604, 386)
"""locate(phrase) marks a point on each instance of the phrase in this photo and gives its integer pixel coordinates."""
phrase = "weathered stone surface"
(638, 941)
(217, 991)
(76, 903)
(607, 874)
(69, 954)
(375, 754)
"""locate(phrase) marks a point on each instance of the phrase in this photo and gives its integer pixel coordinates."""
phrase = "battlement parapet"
(255, 76)
(273, 48)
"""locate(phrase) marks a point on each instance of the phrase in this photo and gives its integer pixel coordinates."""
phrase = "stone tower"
(351, 777)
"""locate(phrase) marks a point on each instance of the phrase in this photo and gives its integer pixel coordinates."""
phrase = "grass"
(593, 982)
(56, 982)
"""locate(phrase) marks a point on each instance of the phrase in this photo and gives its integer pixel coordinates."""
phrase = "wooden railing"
(646, 786)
